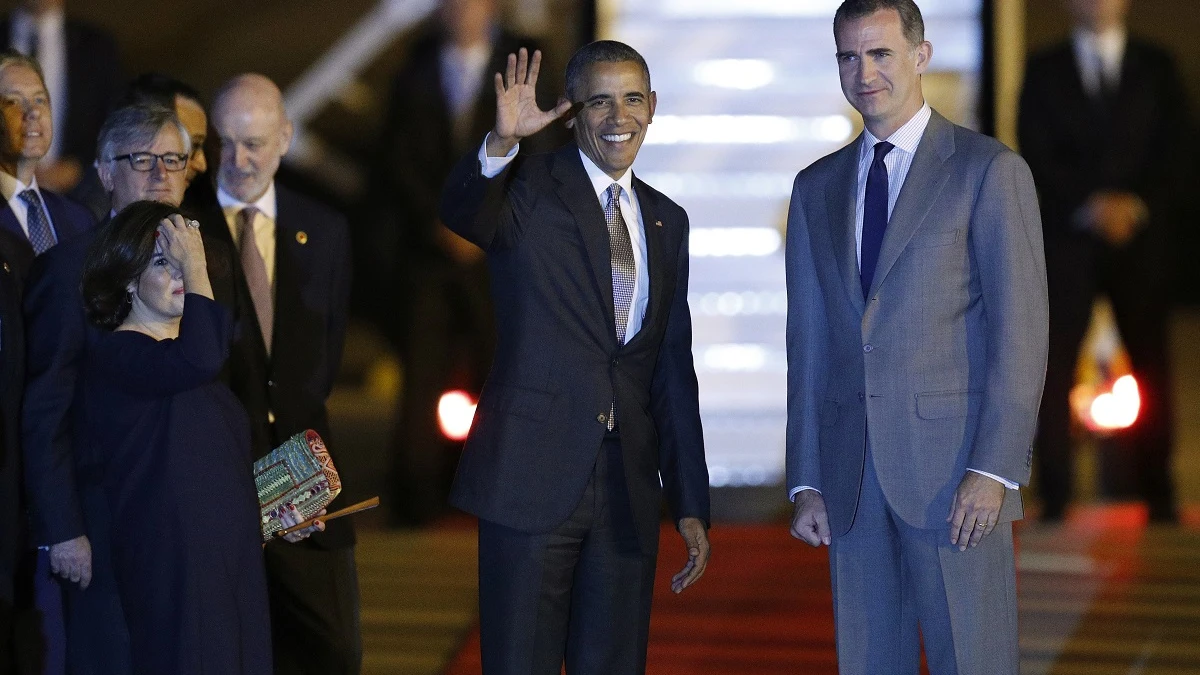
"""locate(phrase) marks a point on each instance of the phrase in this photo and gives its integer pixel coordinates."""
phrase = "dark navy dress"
(177, 471)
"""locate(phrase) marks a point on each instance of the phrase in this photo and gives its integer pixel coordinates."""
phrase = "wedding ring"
(193, 223)
(980, 524)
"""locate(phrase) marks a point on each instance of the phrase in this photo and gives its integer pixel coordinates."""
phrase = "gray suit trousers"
(891, 579)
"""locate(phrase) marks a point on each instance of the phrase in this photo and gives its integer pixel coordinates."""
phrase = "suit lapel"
(290, 263)
(575, 191)
(840, 202)
(9, 223)
(926, 177)
(658, 266)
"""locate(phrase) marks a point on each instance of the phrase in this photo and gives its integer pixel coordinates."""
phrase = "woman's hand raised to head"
(183, 247)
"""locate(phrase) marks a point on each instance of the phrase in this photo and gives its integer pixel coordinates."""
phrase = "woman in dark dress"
(176, 442)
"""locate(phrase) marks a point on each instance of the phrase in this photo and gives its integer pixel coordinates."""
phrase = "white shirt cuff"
(491, 167)
(1007, 483)
(797, 490)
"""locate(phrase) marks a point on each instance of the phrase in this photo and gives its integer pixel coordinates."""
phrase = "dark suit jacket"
(543, 412)
(58, 334)
(1076, 145)
(312, 291)
(69, 219)
(12, 384)
(94, 83)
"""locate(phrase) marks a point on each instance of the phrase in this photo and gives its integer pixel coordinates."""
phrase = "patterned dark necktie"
(40, 234)
(875, 216)
(255, 270)
(624, 270)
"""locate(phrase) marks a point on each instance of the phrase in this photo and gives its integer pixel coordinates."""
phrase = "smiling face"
(25, 110)
(255, 134)
(881, 71)
(617, 108)
(158, 292)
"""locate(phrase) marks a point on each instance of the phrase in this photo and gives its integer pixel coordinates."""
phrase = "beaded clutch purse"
(299, 472)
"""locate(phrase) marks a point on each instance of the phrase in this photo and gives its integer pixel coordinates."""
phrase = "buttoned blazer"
(558, 366)
(312, 294)
(943, 363)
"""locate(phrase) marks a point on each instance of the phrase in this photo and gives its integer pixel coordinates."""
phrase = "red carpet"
(763, 606)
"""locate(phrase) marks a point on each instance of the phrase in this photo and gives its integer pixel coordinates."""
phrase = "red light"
(456, 410)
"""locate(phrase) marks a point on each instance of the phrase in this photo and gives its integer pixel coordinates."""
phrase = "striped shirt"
(906, 139)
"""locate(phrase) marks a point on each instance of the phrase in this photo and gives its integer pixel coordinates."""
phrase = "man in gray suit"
(917, 332)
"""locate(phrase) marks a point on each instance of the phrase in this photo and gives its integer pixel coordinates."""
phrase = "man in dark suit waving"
(592, 398)
(294, 258)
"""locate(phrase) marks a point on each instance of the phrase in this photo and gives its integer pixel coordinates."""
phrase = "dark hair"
(911, 22)
(159, 89)
(121, 252)
(134, 127)
(601, 51)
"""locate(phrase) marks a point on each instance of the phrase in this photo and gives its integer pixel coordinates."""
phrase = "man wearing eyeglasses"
(143, 153)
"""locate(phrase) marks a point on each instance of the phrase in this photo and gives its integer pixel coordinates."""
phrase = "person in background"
(431, 284)
(293, 260)
(1103, 124)
(143, 153)
(172, 440)
(32, 221)
(83, 76)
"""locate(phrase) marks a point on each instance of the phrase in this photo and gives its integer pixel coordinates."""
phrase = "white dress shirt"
(898, 162)
(11, 188)
(630, 212)
(51, 33)
(1099, 55)
(264, 225)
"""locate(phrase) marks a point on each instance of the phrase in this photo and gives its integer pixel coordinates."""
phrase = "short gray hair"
(136, 126)
(11, 57)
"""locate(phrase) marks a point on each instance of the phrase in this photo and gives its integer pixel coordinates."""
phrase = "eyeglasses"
(146, 161)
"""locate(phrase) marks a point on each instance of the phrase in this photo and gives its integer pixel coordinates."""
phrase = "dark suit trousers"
(891, 580)
(315, 625)
(579, 594)
(97, 638)
(1135, 281)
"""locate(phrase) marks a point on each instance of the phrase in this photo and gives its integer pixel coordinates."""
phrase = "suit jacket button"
(602, 418)
(614, 362)
(861, 397)
(867, 348)
(270, 383)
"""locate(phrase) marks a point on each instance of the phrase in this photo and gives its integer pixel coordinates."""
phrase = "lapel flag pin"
(302, 237)
(658, 223)
(6, 269)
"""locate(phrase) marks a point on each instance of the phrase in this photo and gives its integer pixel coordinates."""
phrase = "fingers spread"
(510, 75)
(534, 68)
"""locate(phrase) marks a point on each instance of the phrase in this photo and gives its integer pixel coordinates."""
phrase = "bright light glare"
(746, 303)
(735, 357)
(747, 129)
(745, 74)
(769, 8)
(456, 410)
(723, 185)
(734, 241)
(1118, 409)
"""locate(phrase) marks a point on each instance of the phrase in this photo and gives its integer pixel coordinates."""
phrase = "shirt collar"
(11, 186)
(266, 204)
(1110, 44)
(906, 138)
(601, 181)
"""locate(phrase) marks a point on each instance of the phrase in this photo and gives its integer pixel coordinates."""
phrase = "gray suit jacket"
(945, 363)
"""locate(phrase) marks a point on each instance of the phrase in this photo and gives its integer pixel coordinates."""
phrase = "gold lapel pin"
(658, 223)
(302, 237)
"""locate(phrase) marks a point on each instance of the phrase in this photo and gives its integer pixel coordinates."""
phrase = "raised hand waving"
(517, 113)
